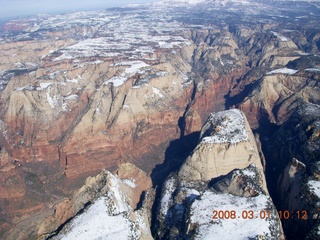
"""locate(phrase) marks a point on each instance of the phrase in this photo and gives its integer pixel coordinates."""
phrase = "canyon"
(131, 91)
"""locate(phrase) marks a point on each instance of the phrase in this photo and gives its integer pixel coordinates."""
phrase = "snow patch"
(116, 80)
(18, 89)
(280, 37)
(52, 101)
(248, 173)
(229, 126)
(166, 199)
(313, 69)
(133, 67)
(72, 80)
(157, 92)
(71, 97)
(314, 187)
(96, 223)
(312, 109)
(283, 71)
(43, 86)
(161, 73)
(119, 203)
(130, 182)
(238, 228)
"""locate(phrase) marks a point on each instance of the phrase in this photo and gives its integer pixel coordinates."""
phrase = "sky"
(15, 8)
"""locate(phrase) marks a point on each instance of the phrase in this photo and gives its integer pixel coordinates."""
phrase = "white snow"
(96, 223)
(248, 173)
(72, 80)
(71, 97)
(43, 85)
(283, 71)
(312, 109)
(280, 37)
(161, 73)
(229, 229)
(229, 126)
(17, 89)
(175, 2)
(109, 34)
(116, 80)
(157, 92)
(52, 101)
(166, 199)
(315, 187)
(313, 69)
(109, 217)
(119, 203)
(130, 182)
(132, 67)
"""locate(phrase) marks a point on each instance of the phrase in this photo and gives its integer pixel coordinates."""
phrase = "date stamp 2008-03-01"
(263, 214)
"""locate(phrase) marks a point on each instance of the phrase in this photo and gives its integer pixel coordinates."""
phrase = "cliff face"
(295, 167)
(192, 199)
(226, 143)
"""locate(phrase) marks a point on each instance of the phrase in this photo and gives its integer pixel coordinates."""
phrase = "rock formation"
(192, 199)
(226, 143)
(116, 195)
(111, 214)
(295, 167)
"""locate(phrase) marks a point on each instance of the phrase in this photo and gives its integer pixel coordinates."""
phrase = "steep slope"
(226, 143)
(196, 204)
(113, 198)
(111, 216)
(295, 170)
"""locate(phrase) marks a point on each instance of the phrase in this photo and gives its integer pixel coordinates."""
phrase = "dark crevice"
(175, 155)
(141, 200)
(182, 121)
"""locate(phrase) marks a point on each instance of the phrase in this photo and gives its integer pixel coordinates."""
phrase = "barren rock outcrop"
(226, 143)
(212, 182)
(120, 196)
(295, 167)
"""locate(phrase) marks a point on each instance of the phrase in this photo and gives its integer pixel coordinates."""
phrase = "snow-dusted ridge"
(96, 223)
(225, 126)
(110, 216)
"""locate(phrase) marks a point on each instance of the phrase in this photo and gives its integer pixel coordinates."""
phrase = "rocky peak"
(103, 199)
(226, 143)
(212, 180)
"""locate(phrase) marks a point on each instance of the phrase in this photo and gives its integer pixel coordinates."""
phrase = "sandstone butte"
(226, 143)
